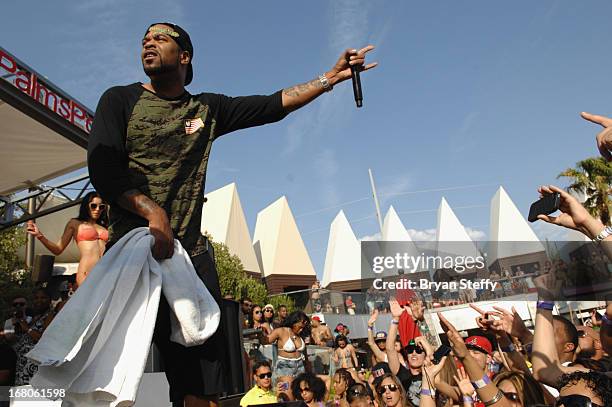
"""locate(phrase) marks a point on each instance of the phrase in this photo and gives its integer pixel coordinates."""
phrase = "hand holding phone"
(544, 206)
(442, 351)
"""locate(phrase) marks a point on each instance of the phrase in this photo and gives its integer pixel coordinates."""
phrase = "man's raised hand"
(342, 70)
(604, 138)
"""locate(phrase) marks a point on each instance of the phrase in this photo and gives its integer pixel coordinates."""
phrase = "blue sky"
(468, 96)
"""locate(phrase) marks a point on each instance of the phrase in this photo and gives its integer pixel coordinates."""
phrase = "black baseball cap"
(181, 37)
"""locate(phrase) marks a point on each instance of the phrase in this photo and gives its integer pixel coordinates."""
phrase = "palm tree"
(592, 177)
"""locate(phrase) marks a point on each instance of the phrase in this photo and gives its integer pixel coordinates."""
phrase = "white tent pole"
(376, 202)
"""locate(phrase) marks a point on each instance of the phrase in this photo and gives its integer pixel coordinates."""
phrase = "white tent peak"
(450, 228)
(223, 219)
(510, 232)
(393, 228)
(343, 257)
(278, 244)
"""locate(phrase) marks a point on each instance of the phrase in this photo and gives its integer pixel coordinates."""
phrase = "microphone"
(356, 85)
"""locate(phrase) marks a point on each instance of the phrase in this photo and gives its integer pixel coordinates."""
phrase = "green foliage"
(235, 281)
(13, 280)
(281, 299)
(592, 177)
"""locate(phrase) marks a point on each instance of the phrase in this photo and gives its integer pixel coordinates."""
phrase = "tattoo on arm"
(300, 89)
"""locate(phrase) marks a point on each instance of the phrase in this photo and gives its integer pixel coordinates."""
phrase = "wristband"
(548, 305)
(479, 384)
(607, 231)
(468, 399)
(394, 322)
(495, 399)
(427, 392)
(370, 328)
(508, 349)
(327, 87)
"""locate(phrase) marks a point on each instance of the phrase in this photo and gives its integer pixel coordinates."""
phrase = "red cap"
(479, 343)
(316, 318)
(339, 326)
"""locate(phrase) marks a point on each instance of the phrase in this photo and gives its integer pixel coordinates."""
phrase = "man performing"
(147, 156)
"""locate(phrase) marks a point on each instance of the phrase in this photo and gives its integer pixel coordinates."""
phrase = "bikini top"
(289, 346)
(90, 233)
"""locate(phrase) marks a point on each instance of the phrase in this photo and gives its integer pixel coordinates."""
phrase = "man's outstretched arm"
(300, 95)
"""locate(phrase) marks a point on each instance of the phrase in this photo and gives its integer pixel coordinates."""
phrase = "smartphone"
(442, 351)
(283, 386)
(544, 206)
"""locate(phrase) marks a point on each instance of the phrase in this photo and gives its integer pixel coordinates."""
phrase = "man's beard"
(161, 69)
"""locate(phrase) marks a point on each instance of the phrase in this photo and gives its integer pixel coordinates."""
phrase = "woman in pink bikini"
(88, 231)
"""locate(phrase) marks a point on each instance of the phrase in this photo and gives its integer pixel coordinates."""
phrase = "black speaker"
(43, 268)
(235, 363)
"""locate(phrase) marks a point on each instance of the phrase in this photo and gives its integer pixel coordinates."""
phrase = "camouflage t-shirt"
(161, 148)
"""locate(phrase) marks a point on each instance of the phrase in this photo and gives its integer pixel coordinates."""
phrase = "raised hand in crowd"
(604, 138)
(546, 366)
(417, 310)
(486, 390)
(428, 389)
(465, 386)
(378, 352)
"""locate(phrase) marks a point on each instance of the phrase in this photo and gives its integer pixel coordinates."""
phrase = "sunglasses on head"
(412, 348)
(267, 375)
(19, 304)
(382, 389)
(94, 206)
(575, 400)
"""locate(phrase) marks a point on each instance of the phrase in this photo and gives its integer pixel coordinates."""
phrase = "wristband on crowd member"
(548, 305)
(427, 392)
(327, 87)
(479, 384)
(468, 399)
(606, 320)
(508, 349)
(394, 322)
(495, 399)
(607, 231)
(370, 327)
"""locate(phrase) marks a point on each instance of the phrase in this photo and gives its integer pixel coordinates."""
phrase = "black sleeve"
(235, 113)
(106, 153)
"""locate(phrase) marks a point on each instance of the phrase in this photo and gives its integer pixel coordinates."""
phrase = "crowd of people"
(504, 364)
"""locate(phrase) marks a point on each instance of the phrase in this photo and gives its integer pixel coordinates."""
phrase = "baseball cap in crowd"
(479, 343)
(380, 336)
(339, 327)
(378, 371)
(181, 37)
(316, 318)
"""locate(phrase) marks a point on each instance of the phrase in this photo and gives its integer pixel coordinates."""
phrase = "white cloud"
(370, 238)
(425, 235)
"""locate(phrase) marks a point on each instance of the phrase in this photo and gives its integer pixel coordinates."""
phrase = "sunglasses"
(268, 310)
(19, 304)
(94, 206)
(265, 375)
(511, 396)
(382, 389)
(575, 400)
(256, 312)
(411, 348)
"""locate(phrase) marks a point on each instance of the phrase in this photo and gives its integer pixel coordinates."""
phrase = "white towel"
(97, 345)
